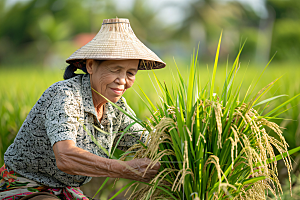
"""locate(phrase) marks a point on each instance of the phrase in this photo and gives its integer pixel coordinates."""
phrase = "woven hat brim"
(117, 42)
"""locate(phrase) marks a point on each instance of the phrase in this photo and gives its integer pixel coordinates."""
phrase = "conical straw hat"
(116, 41)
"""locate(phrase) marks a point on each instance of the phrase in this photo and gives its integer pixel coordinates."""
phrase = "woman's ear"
(89, 66)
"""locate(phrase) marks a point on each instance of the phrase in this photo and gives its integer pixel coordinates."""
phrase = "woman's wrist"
(123, 169)
(116, 168)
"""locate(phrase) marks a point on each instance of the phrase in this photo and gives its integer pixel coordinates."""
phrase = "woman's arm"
(76, 161)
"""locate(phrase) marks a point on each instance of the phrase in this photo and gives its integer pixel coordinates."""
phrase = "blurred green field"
(22, 86)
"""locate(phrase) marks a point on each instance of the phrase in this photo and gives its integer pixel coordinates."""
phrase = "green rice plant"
(212, 146)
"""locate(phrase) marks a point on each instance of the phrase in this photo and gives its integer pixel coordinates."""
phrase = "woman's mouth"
(117, 91)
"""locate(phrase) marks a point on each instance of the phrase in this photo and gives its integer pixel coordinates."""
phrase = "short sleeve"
(62, 116)
(134, 133)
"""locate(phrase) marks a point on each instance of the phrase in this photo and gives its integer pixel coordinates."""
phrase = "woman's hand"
(136, 169)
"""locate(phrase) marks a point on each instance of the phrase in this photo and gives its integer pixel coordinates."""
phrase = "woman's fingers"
(141, 165)
(156, 166)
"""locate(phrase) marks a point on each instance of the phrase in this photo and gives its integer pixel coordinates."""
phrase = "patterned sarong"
(14, 187)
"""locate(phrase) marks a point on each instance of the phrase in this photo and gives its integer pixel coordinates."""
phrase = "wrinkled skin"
(111, 78)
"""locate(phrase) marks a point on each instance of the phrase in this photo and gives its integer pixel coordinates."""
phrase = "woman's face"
(112, 78)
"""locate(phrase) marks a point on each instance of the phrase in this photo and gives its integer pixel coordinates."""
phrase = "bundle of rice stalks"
(211, 146)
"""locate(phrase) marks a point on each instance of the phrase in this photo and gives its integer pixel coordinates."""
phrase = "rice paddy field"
(22, 86)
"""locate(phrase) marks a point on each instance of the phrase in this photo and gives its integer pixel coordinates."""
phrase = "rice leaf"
(103, 184)
(269, 99)
(122, 189)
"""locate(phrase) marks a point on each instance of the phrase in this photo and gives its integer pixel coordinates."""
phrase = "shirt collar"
(109, 111)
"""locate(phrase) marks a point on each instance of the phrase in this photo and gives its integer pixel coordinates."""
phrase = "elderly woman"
(53, 155)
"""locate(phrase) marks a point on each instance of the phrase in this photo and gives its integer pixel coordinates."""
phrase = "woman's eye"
(131, 74)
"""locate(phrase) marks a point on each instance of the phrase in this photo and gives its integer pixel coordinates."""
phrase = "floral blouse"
(59, 115)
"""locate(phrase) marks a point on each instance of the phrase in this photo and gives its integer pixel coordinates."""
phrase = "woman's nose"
(121, 80)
